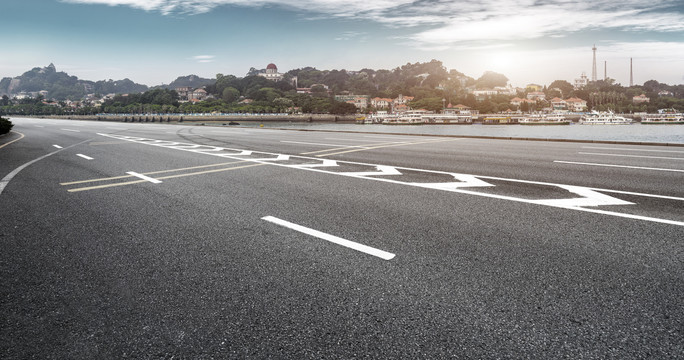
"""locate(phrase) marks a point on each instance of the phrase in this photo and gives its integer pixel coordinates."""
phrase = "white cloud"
(204, 58)
(451, 22)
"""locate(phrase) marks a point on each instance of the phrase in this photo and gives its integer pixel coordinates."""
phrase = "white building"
(272, 73)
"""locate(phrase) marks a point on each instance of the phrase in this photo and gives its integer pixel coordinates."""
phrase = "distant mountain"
(192, 81)
(62, 86)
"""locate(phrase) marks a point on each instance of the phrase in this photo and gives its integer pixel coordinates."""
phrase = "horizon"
(153, 43)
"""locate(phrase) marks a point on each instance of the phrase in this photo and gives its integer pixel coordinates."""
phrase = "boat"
(462, 118)
(604, 118)
(544, 119)
(499, 120)
(663, 117)
(403, 119)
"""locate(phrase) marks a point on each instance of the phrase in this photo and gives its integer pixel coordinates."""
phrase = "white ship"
(664, 117)
(604, 118)
(544, 119)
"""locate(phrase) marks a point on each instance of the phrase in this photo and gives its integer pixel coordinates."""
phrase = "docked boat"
(448, 119)
(403, 119)
(604, 118)
(499, 120)
(664, 117)
(544, 119)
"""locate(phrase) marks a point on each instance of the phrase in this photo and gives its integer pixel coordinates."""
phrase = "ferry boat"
(448, 119)
(544, 119)
(499, 120)
(403, 119)
(604, 118)
(664, 117)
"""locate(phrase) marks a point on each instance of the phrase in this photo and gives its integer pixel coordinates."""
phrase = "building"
(401, 99)
(183, 92)
(272, 73)
(558, 104)
(360, 101)
(665, 93)
(197, 94)
(535, 95)
(381, 103)
(576, 104)
(581, 82)
(534, 87)
(640, 99)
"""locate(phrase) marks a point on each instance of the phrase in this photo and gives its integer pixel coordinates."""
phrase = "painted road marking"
(328, 167)
(634, 156)
(319, 144)
(84, 156)
(71, 130)
(149, 173)
(10, 176)
(146, 178)
(332, 238)
(617, 166)
(387, 145)
(630, 149)
(161, 178)
(13, 141)
(57, 146)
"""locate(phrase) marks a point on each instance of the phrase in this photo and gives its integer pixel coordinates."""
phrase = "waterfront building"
(576, 104)
(558, 104)
(360, 101)
(380, 103)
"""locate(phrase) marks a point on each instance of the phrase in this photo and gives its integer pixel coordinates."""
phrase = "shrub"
(5, 126)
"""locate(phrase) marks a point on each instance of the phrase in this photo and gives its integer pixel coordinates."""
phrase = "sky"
(530, 41)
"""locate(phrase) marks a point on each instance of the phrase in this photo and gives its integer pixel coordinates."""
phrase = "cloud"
(449, 22)
(204, 58)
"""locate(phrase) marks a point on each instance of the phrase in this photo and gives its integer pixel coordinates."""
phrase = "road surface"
(124, 240)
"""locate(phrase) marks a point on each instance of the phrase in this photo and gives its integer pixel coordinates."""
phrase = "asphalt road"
(169, 241)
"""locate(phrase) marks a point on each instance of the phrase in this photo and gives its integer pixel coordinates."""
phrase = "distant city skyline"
(154, 41)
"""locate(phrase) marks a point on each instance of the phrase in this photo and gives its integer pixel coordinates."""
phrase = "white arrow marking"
(466, 181)
(382, 170)
(324, 163)
(590, 198)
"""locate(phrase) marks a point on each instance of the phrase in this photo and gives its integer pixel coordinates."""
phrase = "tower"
(631, 74)
(593, 68)
(605, 70)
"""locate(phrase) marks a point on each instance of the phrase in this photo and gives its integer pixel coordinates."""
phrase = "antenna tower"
(593, 68)
(631, 74)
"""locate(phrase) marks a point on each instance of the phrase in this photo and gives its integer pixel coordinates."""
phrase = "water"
(632, 133)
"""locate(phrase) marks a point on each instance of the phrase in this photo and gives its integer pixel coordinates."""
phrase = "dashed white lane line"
(331, 238)
(84, 156)
(617, 166)
(57, 146)
(71, 130)
(150, 179)
(634, 156)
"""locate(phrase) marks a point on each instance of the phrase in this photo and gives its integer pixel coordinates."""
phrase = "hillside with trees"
(310, 90)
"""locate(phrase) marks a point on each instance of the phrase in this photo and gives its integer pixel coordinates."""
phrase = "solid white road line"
(631, 149)
(57, 146)
(152, 180)
(10, 176)
(618, 166)
(634, 156)
(71, 130)
(334, 239)
(84, 156)
(310, 143)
